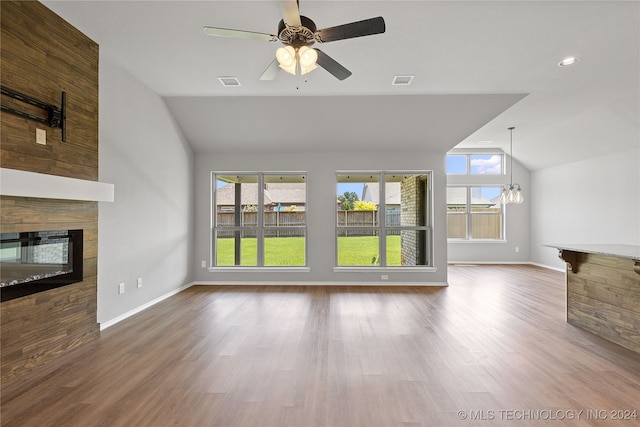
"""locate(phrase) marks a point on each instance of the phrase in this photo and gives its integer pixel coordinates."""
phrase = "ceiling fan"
(297, 33)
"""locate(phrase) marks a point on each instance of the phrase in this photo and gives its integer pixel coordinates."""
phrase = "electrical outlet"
(384, 277)
(517, 249)
(121, 288)
(203, 264)
(41, 136)
(139, 282)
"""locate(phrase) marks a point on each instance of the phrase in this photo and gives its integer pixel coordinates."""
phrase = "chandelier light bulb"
(503, 196)
(518, 198)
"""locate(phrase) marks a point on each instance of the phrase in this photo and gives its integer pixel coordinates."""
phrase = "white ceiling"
(479, 68)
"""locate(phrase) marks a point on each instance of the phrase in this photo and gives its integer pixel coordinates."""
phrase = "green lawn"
(289, 251)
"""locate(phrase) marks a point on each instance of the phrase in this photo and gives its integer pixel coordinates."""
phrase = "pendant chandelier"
(511, 193)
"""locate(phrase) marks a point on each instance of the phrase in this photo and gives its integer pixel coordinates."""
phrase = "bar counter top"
(616, 250)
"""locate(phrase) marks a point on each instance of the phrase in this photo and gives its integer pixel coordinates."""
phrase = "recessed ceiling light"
(402, 80)
(568, 61)
(485, 142)
(229, 81)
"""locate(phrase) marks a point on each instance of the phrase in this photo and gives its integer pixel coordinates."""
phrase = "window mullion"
(468, 209)
(382, 221)
(260, 222)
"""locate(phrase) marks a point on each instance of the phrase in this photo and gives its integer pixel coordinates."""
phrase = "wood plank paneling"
(39, 327)
(603, 297)
(42, 55)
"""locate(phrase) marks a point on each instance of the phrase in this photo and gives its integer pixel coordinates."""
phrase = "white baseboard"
(548, 267)
(489, 262)
(304, 283)
(506, 262)
(137, 310)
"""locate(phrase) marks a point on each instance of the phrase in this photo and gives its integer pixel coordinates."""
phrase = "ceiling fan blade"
(290, 12)
(272, 71)
(354, 29)
(330, 64)
(239, 34)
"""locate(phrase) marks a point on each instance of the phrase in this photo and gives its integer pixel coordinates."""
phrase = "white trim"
(489, 262)
(384, 269)
(250, 269)
(143, 307)
(548, 267)
(31, 184)
(299, 283)
(476, 241)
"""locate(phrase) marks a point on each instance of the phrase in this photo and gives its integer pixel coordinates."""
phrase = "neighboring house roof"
(458, 196)
(289, 194)
(371, 193)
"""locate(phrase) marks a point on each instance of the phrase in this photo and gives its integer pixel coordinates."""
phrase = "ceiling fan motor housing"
(297, 37)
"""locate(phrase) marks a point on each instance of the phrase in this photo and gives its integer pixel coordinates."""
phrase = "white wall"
(321, 193)
(591, 201)
(148, 231)
(517, 222)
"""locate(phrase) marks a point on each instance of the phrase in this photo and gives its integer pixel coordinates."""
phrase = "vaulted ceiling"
(479, 68)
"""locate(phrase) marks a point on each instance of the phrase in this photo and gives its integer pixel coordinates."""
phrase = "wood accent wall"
(603, 297)
(41, 56)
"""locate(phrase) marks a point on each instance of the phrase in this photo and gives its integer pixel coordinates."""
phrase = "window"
(474, 212)
(474, 164)
(383, 219)
(259, 219)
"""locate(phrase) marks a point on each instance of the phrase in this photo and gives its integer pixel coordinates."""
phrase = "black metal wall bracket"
(56, 116)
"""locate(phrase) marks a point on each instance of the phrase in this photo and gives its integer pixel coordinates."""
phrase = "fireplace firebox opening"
(36, 261)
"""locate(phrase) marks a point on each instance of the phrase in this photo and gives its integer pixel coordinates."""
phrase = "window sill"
(250, 269)
(476, 241)
(384, 269)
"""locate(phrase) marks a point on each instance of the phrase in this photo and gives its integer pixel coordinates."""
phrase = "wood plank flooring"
(492, 349)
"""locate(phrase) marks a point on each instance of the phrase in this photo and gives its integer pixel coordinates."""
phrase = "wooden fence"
(483, 226)
(282, 220)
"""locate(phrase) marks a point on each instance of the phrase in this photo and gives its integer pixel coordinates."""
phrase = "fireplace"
(37, 261)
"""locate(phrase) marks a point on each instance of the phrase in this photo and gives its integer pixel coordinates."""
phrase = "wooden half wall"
(42, 56)
(603, 297)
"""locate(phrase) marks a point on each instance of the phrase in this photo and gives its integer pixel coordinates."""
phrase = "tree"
(361, 205)
(348, 200)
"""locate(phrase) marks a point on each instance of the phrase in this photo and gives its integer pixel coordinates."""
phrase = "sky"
(480, 164)
(356, 187)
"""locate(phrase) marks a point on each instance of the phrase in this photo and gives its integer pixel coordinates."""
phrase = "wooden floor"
(491, 349)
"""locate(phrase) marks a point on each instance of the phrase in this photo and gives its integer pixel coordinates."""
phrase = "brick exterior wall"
(411, 198)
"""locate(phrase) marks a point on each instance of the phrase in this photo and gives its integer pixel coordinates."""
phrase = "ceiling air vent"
(402, 80)
(229, 81)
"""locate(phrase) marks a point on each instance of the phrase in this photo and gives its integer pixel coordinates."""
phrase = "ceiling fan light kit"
(290, 59)
(297, 33)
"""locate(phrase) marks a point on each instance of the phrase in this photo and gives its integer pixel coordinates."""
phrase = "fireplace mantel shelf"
(19, 183)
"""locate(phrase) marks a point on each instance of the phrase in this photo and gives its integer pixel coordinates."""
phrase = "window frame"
(382, 228)
(468, 214)
(470, 180)
(260, 228)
